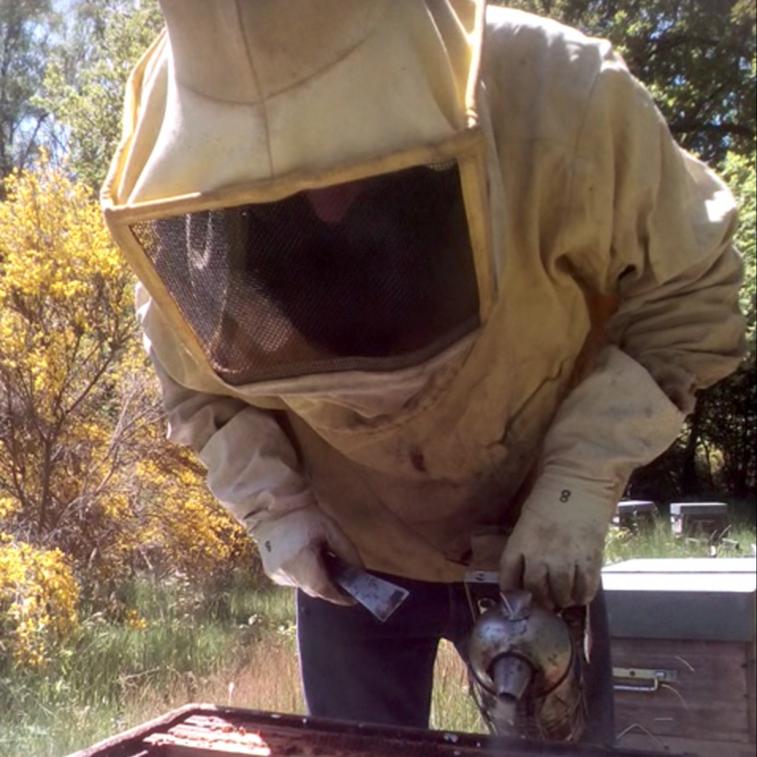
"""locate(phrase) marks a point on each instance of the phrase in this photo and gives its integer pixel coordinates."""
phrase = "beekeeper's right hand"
(292, 546)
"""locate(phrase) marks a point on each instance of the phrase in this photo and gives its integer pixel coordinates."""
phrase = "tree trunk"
(689, 476)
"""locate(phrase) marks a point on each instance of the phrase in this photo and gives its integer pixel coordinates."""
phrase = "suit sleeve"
(651, 226)
(252, 468)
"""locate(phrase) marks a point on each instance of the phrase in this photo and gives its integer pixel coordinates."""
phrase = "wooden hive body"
(683, 645)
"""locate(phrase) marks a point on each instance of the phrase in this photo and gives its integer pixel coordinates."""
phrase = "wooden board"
(751, 677)
(709, 700)
(201, 730)
(677, 746)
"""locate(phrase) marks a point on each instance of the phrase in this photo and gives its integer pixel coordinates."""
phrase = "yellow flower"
(135, 620)
(38, 601)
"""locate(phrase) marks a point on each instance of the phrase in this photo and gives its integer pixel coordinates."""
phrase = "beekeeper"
(417, 277)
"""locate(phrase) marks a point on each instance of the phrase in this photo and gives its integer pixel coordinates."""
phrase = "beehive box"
(683, 644)
(708, 520)
(636, 514)
(201, 730)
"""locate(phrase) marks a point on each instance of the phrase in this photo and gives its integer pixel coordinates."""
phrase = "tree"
(725, 419)
(86, 76)
(64, 325)
(24, 30)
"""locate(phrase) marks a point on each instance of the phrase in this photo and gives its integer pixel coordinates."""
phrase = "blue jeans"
(355, 668)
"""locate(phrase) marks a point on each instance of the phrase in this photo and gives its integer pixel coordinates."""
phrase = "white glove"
(615, 420)
(291, 549)
(555, 550)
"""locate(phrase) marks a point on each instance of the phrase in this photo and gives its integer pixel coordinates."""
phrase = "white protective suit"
(608, 284)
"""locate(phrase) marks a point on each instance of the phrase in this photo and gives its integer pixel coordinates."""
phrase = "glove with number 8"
(615, 420)
(555, 550)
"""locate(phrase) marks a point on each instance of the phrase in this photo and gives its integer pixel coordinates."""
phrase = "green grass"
(96, 686)
(452, 707)
(232, 644)
(659, 542)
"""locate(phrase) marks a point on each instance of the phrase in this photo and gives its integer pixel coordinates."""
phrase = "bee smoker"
(526, 667)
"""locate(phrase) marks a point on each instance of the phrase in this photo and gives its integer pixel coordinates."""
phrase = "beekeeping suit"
(417, 276)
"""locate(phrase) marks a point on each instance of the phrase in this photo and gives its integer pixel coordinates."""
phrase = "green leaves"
(697, 59)
(85, 79)
(739, 172)
(25, 26)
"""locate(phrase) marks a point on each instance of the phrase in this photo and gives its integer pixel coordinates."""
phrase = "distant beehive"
(705, 520)
(635, 514)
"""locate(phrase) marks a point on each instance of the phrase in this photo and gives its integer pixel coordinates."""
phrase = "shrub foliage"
(38, 602)
(84, 466)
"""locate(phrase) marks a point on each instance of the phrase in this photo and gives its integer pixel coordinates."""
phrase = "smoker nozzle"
(511, 676)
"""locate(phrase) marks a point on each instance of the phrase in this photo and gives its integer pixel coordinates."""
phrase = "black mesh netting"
(373, 275)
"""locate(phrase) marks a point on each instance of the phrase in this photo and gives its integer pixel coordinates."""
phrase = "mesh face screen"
(372, 275)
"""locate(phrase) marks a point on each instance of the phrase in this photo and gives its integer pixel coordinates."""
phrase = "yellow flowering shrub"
(38, 602)
(8, 506)
(65, 322)
(84, 464)
(194, 533)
